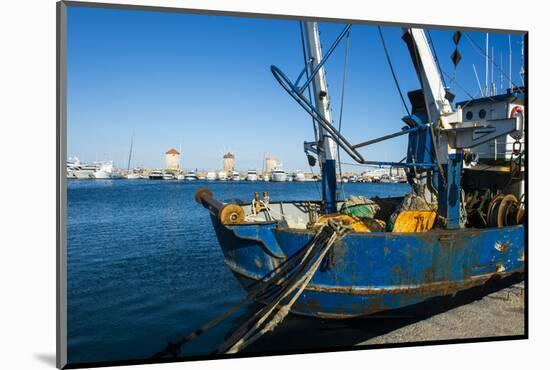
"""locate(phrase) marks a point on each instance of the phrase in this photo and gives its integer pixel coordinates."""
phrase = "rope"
(393, 72)
(341, 113)
(253, 329)
(436, 58)
(255, 332)
(259, 288)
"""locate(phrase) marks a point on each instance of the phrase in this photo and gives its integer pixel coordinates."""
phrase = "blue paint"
(375, 272)
(329, 185)
(449, 191)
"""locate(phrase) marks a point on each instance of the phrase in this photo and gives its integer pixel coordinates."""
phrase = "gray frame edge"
(61, 188)
(217, 12)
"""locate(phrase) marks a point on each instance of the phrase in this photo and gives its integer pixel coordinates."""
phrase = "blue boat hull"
(375, 272)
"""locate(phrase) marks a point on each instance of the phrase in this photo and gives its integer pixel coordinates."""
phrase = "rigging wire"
(393, 71)
(436, 58)
(341, 112)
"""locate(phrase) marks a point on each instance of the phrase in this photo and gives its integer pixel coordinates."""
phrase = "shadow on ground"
(298, 333)
(47, 358)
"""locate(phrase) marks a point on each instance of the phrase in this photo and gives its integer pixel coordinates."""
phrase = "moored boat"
(278, 174)
(156, 175)
(461, 225)
(252, 175)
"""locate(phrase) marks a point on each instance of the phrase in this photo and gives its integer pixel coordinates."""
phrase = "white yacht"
(104, 171)
(132, 176)
(278, 174)
(252, 175)
(299, 176)
(180, 177)
(168, 176)
(266, 177)
(235, 176)
(211, 176)
(191, 176)
(156, 175)
(222, 176)
(73, 164)
(85, 171)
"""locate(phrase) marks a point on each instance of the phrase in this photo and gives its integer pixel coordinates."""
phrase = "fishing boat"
(461, 226)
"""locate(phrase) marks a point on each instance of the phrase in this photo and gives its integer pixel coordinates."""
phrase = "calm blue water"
(144, 265)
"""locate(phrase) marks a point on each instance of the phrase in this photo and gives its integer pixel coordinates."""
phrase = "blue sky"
(203, 82)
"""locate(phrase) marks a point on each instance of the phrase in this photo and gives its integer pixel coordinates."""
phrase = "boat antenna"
(486, 63)
(477, 79)
(131, 148)
(501, 76)
(493, 92)
(522, 70)
(510, 60)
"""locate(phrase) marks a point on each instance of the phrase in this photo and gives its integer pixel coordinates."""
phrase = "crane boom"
(435, 94)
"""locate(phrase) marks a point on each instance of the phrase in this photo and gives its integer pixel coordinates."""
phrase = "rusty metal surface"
(379, 271)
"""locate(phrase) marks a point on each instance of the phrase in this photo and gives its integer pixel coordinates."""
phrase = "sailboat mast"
(320, 92)
(131, 148)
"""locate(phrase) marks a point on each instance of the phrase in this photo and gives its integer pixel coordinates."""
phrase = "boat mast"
(487, 64)
(131, 148)
(327, 150)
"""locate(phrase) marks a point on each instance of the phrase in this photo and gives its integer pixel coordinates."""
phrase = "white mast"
(501, 76)
(320, 90)
(131, 148)
(486, 63)
(522, 70)
(510, 61)
(493, 87)
(477, 79)
(327, 155)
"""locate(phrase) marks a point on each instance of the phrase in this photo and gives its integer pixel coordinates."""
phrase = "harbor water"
(145, 268)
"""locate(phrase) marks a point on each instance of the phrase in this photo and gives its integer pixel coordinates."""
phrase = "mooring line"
(280, 277)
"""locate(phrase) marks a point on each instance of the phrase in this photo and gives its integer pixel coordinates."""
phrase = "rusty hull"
(375, 272)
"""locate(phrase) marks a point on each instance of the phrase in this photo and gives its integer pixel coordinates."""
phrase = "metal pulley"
(504, 210)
